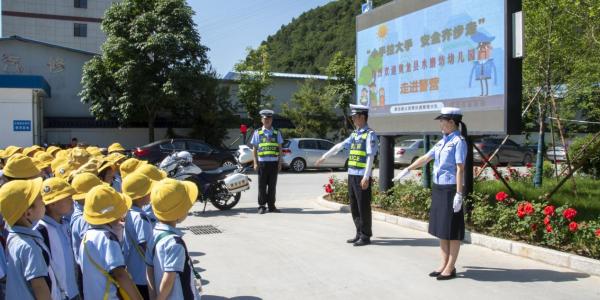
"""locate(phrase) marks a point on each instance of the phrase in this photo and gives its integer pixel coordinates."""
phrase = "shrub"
(591, 157)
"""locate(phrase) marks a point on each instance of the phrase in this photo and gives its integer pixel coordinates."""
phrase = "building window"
(80, 3)
(80, 30)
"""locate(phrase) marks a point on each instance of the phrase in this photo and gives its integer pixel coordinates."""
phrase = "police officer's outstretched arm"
(421, 161)
(333, 151)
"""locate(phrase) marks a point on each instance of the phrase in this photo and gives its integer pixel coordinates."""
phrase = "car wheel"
(298, 165)
(228, 163)
(527, 159)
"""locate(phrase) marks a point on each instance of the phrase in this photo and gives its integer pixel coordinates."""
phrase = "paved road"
(302, 254)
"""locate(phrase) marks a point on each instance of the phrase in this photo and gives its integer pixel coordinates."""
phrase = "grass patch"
(587, 201)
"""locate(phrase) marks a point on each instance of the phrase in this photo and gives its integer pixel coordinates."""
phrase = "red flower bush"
(528, 209)
(330, 180)
(569, 213)
(573, 226)
(549, 210)
(598, 232)
(534, 227)
(547, 220)
(501, 196)
(548, 228)
(328, 189)
(529, 165)
(521, 214)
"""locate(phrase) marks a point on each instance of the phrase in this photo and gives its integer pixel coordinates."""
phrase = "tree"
(255, 77)
(342, 85)
(152, 53)
(311, 111)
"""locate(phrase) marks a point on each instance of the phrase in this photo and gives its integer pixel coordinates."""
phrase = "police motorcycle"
(223, 187)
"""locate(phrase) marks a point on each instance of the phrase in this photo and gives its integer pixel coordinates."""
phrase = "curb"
(548, 256)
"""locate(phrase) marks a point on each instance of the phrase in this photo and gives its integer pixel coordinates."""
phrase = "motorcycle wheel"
(224, 200)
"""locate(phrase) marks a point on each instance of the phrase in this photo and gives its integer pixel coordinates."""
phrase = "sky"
(228, 27)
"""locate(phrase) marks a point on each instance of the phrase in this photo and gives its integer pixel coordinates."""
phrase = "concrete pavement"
(302, 254)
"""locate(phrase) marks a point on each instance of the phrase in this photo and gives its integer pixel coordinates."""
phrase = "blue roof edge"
(25, 82)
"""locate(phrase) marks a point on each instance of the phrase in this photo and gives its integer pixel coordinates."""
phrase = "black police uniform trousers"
(360, 206)
(267, 182)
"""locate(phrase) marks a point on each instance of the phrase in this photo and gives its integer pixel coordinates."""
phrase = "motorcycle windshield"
(190, 169)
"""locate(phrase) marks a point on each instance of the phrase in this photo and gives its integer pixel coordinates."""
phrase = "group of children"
(78, 224)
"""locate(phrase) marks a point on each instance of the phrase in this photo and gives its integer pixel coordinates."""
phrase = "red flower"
(521, 214)
(419, 174)
(529, 165)
(549, 210)
(328, 189)
(528, 209)
(331, 180)
(573, 226)
(598, 232)
(569, 213)
(547, 220)
(534, 226)
(548, 228)
(501, 196)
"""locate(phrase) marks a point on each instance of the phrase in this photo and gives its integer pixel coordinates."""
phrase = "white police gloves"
(458, 200)
(402, 174)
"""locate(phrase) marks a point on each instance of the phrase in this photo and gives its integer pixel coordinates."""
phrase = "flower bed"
(533, 221)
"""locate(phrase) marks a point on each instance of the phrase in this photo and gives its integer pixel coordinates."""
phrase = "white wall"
(16, 104)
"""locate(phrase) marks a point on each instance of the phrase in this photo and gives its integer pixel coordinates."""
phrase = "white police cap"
(358, 109)
(266, 113)
(450, 113)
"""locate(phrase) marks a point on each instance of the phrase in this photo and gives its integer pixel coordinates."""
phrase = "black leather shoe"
(362, 242)
(352, 241)
(262, 210)
(447, 277)
(274, 210)
(436, 273)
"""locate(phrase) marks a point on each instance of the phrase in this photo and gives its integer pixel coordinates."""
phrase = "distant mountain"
(306, 44)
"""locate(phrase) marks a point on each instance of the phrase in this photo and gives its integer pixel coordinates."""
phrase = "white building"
(73, 24)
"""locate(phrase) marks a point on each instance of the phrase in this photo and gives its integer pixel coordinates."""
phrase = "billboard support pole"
(469, 172)
(427, 166)
(386, 163)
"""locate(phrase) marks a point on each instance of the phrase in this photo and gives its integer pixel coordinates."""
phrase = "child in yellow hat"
(116, 148)
(43, 161)
(167, 258)
(102, 261)
(106, 171)
(138, 229)
(117, 159)
(28, 259)
(54, 228)
(20, 166)
(82, 184)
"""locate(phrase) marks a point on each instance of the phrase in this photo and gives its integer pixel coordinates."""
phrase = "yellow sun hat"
(137, 185)
(63, 170)
(56, 189)
(42, 160)
(171, 199)
(89, 167)
(20, 166)
(115, 147)
(130, 165)
(62, 154)
(152, 171)
(115, 157)
(57, 162)
(83, 183)
(78, 157)
(10, 151)
(104, 205)
(17, 196)
(105, 165)
(30, 151)
(94, 151)
(52, 150)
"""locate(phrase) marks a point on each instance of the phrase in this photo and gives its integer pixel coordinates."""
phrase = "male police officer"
(363, 147)
(267, 160)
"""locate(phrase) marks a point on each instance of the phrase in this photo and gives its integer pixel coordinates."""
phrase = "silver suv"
(302, 153)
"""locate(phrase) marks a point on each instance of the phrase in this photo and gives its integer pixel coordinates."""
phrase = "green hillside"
(307, 43)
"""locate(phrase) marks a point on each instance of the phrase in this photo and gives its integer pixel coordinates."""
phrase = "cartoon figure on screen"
(381, 97)
(372, 94)
(484, 65)
(364, 94)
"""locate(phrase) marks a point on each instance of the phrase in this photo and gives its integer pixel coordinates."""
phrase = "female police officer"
(446, 218)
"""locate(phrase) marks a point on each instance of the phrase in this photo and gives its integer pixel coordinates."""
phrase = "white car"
(408, 151)
(556, 153)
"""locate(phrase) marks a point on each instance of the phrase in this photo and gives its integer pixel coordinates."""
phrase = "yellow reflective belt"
(358, 152)
(356, 164)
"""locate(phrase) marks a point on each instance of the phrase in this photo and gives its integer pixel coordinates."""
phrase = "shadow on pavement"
(389, 241)
(519, 275)
(212, 297)
(196, 253)
(248, 210)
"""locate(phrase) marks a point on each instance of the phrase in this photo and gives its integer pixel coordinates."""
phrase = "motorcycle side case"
(236, 183)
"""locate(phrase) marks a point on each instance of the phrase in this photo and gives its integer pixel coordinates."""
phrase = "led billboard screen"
(415, 57)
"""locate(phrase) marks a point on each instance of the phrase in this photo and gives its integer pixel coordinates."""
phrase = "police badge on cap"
(450, 113)
(356, 109)
(266, 113)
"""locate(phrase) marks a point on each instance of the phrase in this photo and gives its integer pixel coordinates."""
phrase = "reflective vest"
(358, 150)
(268, 146)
